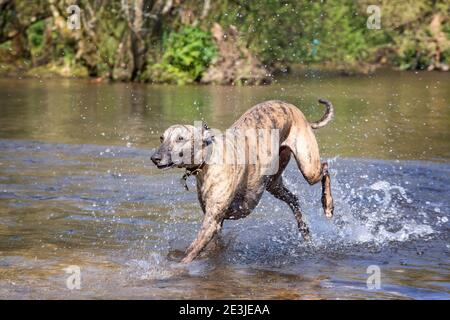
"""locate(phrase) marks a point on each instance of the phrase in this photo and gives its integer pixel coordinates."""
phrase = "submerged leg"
(210, 228)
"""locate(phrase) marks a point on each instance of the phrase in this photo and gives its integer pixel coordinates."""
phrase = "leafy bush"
(35, 35)
(411, 54)
(187, 54)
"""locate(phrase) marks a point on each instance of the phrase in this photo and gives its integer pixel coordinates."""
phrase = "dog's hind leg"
(279, 191)
(276, 187)
(303, 145)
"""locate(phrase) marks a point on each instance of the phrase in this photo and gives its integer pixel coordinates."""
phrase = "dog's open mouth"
(165, 166)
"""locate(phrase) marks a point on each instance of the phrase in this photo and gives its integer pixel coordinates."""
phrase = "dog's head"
(182, 146)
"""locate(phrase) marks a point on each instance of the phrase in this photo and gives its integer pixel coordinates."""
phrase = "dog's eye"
(161, 139)
(180, 138)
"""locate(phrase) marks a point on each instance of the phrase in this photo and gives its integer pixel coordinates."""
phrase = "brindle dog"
(232, 191)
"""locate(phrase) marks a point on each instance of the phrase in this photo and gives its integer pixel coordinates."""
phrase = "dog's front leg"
(210, 227)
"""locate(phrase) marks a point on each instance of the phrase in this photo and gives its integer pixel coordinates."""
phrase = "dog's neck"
(195, 169)
(192, 171)
(199, 170)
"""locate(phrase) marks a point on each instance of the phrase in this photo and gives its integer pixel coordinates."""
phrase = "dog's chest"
(233, 193)
(244, 202)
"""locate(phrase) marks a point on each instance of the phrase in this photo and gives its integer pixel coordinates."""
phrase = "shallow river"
(77, 188)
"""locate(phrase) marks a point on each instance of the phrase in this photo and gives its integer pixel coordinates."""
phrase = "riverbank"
(53, 71)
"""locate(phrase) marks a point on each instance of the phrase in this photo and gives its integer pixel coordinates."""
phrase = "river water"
(77, 188)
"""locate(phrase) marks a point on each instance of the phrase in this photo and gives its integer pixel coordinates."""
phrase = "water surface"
(77, 188)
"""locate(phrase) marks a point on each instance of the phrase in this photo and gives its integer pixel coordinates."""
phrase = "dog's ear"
(205, 126)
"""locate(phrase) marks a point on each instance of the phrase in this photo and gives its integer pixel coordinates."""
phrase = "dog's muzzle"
(157, 159)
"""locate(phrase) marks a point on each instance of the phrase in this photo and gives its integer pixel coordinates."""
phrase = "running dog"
(231, 190)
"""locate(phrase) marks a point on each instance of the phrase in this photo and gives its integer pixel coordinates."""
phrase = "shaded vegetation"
(171, 40)
(186, 55)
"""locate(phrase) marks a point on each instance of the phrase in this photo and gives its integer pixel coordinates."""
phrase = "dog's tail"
(326, 117)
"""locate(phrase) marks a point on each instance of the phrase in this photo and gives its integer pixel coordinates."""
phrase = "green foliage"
(300, 31)
(411, 54)
(343, 34)
(304, 31)
(5, 45)
(175, 48)
(35, 35)
(187, 54)
(111, 30)
(446, 53)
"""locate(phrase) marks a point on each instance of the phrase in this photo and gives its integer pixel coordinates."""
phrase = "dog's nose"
(156, 158)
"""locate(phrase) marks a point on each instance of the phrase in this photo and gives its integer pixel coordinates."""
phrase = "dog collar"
(190, 172)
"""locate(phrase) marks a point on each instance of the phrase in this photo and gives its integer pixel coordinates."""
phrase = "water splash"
(373, 207)
(153, 267)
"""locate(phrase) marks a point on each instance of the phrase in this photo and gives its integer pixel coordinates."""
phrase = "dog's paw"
(329, 212)
(327, 204)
